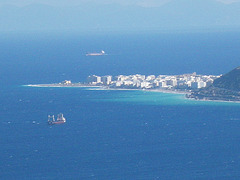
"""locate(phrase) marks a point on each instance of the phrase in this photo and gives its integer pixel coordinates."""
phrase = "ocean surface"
(115, 134)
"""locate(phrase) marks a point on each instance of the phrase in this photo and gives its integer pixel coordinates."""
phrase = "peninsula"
(170, 83)
(200, 87)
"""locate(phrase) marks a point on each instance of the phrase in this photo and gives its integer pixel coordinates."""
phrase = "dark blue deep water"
(115, 134)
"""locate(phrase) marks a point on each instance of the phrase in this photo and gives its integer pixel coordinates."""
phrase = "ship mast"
(51, 118)
(60, 119)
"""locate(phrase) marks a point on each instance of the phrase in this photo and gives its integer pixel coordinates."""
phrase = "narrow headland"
(199, 87)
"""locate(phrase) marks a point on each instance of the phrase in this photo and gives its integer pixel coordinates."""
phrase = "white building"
(106, 79)
(150, 77)
(94, 79)
(66, 82)
(146, 84)
(196, 85)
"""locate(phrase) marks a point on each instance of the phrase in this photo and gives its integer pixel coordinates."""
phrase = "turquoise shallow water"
(155, 98)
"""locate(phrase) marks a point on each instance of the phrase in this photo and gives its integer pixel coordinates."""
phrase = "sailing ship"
(60, 119)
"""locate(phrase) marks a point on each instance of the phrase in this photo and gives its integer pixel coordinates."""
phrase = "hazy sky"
(145, 3)
(84, 15)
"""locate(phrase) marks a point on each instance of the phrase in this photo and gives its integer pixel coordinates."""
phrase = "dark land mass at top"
(226, 88)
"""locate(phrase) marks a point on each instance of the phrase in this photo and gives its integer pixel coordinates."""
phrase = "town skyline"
(184, 81)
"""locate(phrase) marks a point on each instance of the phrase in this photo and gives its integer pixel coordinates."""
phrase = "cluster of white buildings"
(185, 81)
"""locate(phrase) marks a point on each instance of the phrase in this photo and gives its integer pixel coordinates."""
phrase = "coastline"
(211, 100)
(107, 88)
(185, 93)
(78, 85)
(60, 85)
(168, 91)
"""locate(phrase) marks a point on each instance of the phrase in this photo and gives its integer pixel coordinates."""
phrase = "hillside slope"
(226, 88)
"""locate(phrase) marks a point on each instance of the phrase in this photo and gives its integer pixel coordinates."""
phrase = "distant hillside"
(226, 88)
(230, 81)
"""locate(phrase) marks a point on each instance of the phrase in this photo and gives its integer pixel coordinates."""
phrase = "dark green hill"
(226, 88)
(230, 81)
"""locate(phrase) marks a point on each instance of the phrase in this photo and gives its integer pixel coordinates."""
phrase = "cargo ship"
(96, 54)
(60, 119)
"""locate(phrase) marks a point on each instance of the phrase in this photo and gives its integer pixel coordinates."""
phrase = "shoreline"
(79, 85)
(108, 88)
(59, 85)
(208, 100)
(167, 91)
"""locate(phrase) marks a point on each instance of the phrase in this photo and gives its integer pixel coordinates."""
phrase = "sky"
(144, 3)
(117, 15)
(57, 3)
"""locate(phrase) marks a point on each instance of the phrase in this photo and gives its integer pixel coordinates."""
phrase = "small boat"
(60, 119)
(96, 54)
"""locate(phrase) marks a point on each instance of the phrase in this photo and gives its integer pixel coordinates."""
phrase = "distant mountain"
(177, 14)
(230, 81)
(226, 88)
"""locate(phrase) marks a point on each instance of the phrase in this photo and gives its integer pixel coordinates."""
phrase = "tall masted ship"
(60, 119)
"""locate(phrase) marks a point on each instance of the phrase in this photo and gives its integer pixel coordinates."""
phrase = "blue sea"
(115, 134)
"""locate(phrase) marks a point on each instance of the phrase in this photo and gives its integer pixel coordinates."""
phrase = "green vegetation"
(226, 88)
(230, 81)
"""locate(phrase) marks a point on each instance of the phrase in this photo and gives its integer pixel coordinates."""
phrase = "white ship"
(96, 53)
